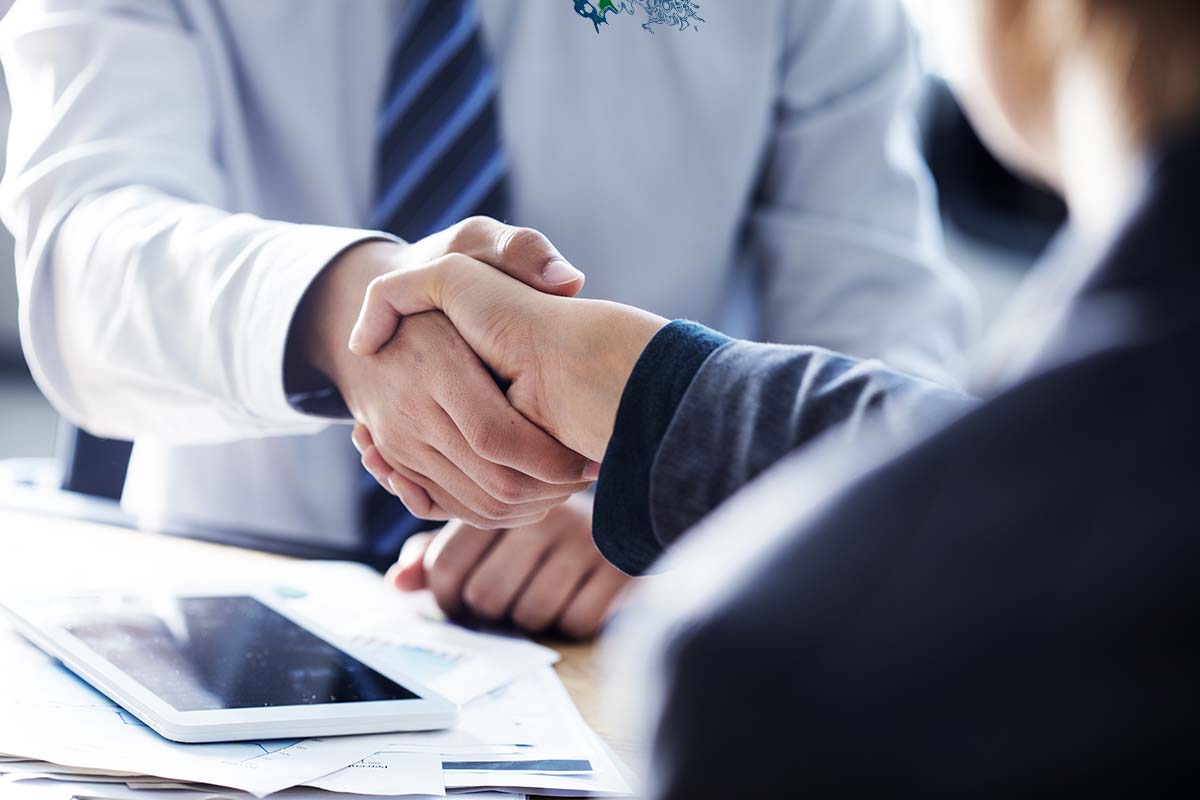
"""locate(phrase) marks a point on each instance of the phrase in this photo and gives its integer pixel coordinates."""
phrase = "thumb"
(522, 253)
(408, 573)
(388, 298)
(528, 256)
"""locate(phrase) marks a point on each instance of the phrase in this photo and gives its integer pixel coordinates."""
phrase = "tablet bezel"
(33, 616)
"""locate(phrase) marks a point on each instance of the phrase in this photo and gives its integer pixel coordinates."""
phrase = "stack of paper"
(519, 730)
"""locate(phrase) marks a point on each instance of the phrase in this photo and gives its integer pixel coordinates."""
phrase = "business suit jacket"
(1009, 605)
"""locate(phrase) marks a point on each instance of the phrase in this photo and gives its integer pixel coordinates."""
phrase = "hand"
(566, 360)
(540, 576)
(454, 445)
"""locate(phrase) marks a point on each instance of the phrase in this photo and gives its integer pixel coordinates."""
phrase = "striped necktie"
(439, 161)
(440, 158)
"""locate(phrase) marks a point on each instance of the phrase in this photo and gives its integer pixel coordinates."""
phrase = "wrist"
(323, 321)
(606, 354)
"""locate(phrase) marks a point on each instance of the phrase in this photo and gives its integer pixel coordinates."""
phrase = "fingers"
(442, 431)
(522, 253)
(538, 576)
(492, 588)
(435, 488)
(588, 609)
(408, 573)
(453, 491)
(551, 589)
(499, 434)
(412, 494)
(450, 558)
(388, 298)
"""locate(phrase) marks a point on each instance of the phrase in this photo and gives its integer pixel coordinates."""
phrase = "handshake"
(482, 389)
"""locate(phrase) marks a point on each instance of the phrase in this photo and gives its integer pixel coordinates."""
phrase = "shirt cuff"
(289, 264)
(621, 523)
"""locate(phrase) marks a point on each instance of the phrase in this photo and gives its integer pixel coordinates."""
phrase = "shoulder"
(980, 594)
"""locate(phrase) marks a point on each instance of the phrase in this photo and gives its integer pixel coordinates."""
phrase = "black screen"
(202, 653)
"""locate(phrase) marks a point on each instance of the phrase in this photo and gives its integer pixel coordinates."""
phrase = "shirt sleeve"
(843, 232)
(147, 306)
(702, 416)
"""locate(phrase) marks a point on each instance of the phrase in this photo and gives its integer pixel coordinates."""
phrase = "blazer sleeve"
(702, 415)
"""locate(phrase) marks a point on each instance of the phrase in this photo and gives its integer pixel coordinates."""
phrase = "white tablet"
(209, 668)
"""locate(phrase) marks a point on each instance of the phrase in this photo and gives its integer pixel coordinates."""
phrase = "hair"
(1149, 48)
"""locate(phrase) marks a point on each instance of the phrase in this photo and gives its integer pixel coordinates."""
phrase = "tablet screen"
(205, 653)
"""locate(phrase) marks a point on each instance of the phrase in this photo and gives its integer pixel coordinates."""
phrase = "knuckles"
(511, 243)
(493, 510)
(509, 488)
(578, 626)
(470, 231)
(483, 598)
(445, 584)
(530, 617)
(486, 437)
(520, 245)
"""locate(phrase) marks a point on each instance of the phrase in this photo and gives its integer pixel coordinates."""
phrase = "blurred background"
(995, 225)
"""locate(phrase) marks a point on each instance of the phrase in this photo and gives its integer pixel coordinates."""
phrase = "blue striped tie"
(439, 161)
(440, 158)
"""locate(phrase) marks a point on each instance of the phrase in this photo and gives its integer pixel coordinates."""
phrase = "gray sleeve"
(749, 405)
(702, 415)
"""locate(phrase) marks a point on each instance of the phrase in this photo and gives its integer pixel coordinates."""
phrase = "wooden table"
(40, 551)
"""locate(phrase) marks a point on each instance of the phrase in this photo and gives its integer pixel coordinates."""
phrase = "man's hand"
(543, 576)
(566, 360)
(455, 445)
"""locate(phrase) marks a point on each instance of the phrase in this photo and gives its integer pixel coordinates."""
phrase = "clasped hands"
(483, 390)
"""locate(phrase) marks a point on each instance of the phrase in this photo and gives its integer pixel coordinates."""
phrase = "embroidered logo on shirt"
(678, 14)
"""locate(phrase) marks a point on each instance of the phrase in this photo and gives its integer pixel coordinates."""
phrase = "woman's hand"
(566, 360)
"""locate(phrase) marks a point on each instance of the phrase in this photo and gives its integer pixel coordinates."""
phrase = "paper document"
(518, 730)
(67, 722)
(388, 774)
(47, 790)
(527, 735)
(408, 632)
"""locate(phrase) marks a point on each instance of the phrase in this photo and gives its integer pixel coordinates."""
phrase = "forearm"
(595, 346)
(152, 316)
(317, 358)
(702, 416)
(148, 309)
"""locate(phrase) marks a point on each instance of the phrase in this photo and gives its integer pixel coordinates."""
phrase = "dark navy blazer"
(1009, 606)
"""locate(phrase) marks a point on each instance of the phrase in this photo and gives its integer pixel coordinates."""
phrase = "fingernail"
(559, 272)
(591, 470)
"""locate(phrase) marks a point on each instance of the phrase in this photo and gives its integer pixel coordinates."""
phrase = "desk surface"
(39, 551)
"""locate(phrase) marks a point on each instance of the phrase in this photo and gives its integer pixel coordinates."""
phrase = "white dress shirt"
(178, 172)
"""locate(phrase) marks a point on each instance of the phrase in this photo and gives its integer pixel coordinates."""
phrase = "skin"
(1049, 105)
(546, 574)
(456, 445)
(566, 360)
(540, 577)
